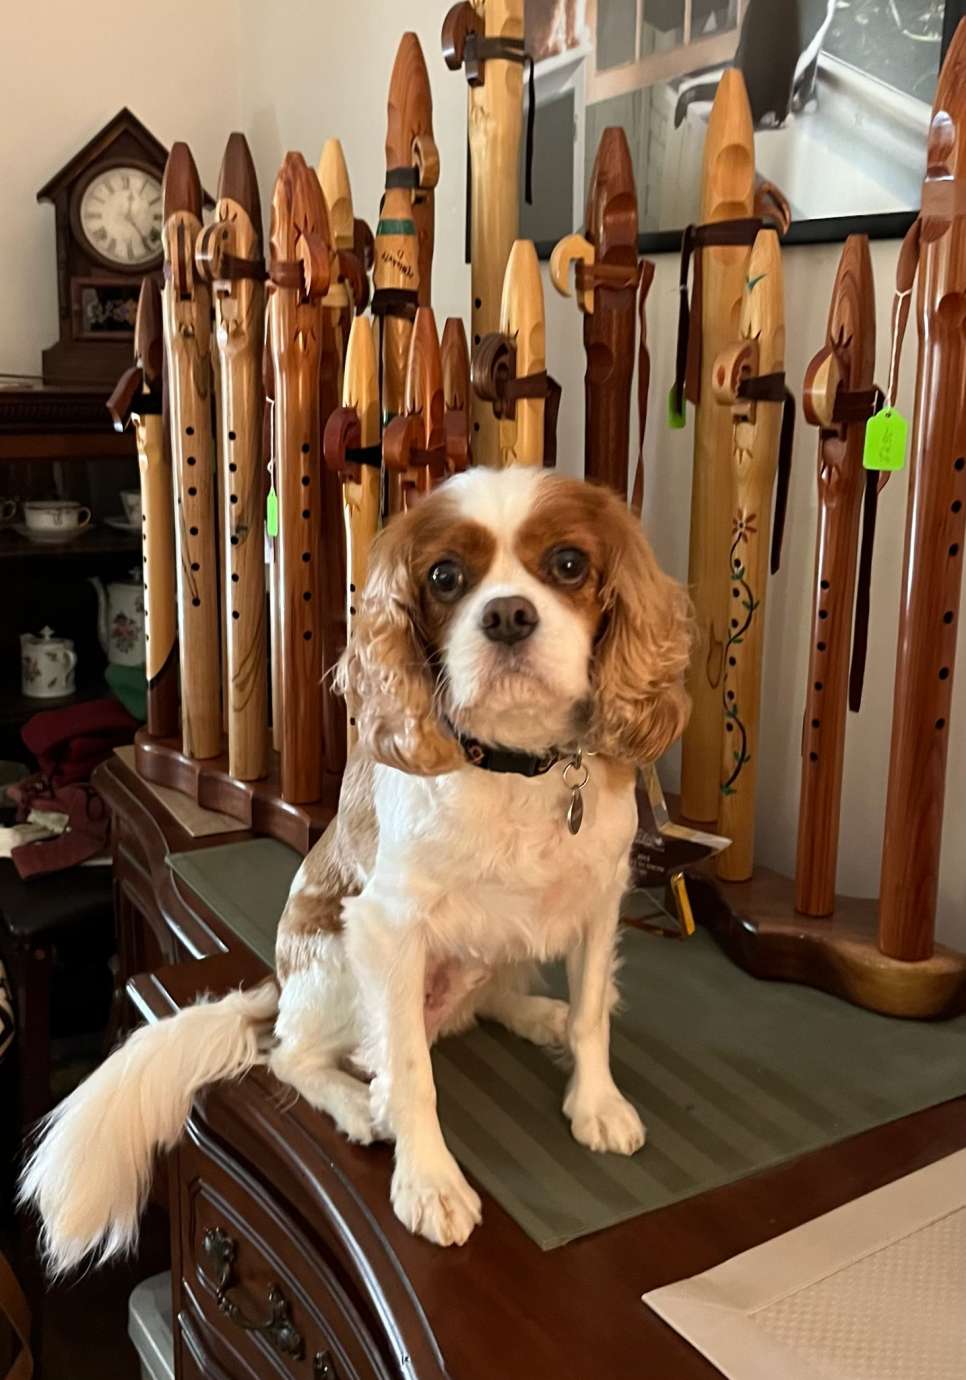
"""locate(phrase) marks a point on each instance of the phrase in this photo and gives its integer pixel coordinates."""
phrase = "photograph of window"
(842, 85)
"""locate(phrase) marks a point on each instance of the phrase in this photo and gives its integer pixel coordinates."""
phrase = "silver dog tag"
(575, 812)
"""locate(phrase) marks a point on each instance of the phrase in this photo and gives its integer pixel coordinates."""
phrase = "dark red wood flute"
(838, 397)
(935, 531)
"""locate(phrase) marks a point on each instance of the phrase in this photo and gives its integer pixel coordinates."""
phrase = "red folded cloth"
(88, 826)
(70, 742)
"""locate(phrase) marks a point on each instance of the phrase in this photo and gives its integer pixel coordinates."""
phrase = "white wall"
(304, 71)
(68, 66)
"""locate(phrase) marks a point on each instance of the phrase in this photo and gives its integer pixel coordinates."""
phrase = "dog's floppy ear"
(642, 653)
(385, 672)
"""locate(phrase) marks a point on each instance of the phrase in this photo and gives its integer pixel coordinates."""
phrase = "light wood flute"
(508, 368)
(756, 425)
(838, 387)
(187, 334)
(348, 291)
(606, 282)
(486, 37)
(727, 193)
(412, 158)
(935, 535)
(138, 398)
(353, 452)
(230, 256)
(299, 272)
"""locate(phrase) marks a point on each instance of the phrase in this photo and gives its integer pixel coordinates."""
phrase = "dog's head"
(526, 610)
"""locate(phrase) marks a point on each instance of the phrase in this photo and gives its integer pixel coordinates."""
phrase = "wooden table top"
(499, 1306)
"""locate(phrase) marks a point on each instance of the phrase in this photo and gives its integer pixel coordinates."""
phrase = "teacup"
(55, 515)
(131, 499)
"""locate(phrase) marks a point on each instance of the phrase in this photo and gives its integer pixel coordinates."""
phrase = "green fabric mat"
(731, 1075)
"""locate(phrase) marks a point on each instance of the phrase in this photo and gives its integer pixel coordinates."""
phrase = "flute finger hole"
(940, 723)
(820, 646)
(306, 481)
(824, 584)
(192, 492)
(192, 460)
(944, 673)
(948, 616)
(956, 506)
(959, 463)
(231, 436)
(232, 467)
(954, 549)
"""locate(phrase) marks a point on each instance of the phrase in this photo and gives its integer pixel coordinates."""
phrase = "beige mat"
(873, 1291)
(192, 817)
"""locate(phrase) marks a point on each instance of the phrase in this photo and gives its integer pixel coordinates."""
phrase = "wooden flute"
(414, 444)
(456, 393)
(749, 377)
(349, 235)
(723, 245)
(412, 158)
(607, 278)
(138, 398)
(838, 397)
(230, 257)
(299, 269)
(509, 368)
(353, 451)
(186, 303)
(486, 39)
(347, 293)
(935, 533)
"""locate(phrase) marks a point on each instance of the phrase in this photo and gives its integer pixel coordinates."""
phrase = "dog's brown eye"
(447, 581)
(568, 565)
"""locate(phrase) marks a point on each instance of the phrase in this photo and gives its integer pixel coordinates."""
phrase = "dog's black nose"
(509, 620)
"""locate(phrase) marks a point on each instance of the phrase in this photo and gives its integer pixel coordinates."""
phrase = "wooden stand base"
(257, 804)
(757, 926)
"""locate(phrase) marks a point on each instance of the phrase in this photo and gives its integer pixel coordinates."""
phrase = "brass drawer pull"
(277, 1327)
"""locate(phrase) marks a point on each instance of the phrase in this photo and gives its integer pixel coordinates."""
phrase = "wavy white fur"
(91, 1170)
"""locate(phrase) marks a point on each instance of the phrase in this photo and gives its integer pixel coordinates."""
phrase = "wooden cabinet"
(287, 1260)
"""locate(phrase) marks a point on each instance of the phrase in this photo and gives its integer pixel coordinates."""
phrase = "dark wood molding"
(258, 804)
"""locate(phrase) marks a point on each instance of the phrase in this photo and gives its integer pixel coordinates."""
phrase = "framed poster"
(841, 93)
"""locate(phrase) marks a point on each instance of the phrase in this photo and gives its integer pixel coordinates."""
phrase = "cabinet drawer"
(258, 1294)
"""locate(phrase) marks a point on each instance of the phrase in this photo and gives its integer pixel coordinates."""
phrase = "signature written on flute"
(391, 260)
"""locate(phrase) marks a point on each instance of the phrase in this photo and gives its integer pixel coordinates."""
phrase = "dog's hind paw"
(436, 1203)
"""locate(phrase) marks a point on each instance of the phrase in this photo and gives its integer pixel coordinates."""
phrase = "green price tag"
(271, 514)
(675, 419)
(885, 440)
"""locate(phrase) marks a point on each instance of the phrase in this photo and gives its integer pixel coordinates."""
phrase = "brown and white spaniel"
(517, 654)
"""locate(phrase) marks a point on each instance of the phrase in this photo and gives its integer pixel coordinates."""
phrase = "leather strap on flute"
(772, 388)
(858, 407)
(687, 370)
(495, 380)
(646, 272)
(464, 46)
(401, 302)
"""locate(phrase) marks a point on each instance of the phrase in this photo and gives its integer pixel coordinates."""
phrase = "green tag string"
(271, 513)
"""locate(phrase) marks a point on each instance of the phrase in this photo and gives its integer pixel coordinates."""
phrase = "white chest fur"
(487, 862)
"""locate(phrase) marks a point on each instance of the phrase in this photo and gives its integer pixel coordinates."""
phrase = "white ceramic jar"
(47, 665)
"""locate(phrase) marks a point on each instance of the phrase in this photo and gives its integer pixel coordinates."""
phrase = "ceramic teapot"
(47, 665)
(120, 619)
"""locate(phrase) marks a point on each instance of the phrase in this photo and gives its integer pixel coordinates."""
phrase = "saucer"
(122, 525)
(52, 536)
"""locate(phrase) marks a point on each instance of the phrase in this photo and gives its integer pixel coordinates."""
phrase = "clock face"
(120, 216)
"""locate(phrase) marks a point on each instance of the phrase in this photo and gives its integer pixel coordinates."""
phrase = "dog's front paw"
(605, 1122)
(436, 1203)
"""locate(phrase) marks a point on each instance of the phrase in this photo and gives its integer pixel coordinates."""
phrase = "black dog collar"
(491, 757)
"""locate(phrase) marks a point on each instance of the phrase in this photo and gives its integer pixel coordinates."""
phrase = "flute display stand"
(257, 804)
(756, 924)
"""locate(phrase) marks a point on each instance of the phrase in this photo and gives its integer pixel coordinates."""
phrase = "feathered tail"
(90, 1170)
